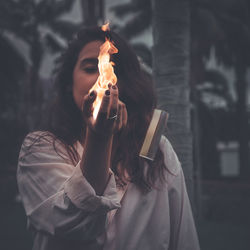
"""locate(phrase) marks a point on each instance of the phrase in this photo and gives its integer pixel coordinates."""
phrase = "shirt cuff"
(83, 195)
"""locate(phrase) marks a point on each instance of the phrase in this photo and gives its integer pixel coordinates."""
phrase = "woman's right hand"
(111, 106)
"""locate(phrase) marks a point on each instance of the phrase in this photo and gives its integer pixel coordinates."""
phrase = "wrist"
(92, 135)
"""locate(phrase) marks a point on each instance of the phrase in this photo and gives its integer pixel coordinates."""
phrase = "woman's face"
(86, 71)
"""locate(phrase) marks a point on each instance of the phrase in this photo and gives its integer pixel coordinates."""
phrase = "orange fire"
(106, 71)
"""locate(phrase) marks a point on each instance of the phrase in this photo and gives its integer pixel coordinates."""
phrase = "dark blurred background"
(198, 53)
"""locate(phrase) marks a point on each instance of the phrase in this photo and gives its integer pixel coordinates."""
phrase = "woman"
(82, 182)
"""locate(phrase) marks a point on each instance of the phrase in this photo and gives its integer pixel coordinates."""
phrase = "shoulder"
(41, 139)
(38, 137)
(171, 161)
(38, 142)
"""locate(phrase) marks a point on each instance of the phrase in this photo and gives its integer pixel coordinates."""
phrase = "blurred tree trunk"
(92, 12)
(171, 55)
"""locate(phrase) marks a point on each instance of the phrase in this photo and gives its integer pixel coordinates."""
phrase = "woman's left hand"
(112, 116)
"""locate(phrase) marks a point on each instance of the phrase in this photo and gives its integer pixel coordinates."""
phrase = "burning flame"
(106, 71)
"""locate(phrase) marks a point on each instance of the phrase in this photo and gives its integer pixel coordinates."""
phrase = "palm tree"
(140, 21)
(92, 12)
(170, 66)
(171, 33)
(38, 24)
(225, 26)
(12, 71)
(234, 51)
(212, 27)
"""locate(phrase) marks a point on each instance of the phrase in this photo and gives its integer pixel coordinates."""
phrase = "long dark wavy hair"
(135, 90)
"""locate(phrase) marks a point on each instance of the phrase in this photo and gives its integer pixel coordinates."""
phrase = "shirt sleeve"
(183, 235)
(56, 196)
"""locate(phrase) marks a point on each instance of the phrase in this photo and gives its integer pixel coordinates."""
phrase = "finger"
(103, 111)
(88, 100)
(117, 124)
(113, 101)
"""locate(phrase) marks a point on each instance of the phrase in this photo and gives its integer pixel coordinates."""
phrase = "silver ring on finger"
(113, 117)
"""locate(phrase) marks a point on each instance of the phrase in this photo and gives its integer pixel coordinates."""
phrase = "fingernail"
(113, 87)
(109, 85)
(91, 94)
(107, 92)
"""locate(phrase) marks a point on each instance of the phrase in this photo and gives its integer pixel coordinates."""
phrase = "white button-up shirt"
(64, 211)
